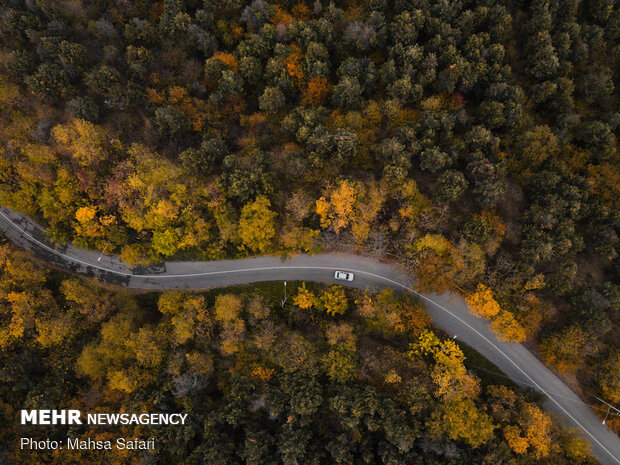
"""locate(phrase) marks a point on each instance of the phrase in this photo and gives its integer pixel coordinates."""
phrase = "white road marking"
(245, 270)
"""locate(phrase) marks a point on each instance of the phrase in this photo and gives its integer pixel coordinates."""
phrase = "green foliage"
(171, 122)
(450, 186)
(272, 99)
(50, 81)
(340, 362)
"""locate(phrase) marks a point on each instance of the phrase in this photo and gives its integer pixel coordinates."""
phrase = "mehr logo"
(51, 417)
(72, 417)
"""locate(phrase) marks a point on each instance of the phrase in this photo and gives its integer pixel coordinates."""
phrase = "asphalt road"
(449, 311)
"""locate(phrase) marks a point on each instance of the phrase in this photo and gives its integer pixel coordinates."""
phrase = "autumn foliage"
(316, 91)
(482, 303)
(305, 298)
(471, 141)
(504, 323)
(227, 58)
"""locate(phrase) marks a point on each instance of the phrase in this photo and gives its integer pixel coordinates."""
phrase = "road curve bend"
(449, 311)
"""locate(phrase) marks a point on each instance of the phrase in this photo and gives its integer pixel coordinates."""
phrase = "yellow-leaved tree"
(227, 307)
(82, 140)
(508, 328)
(334, 300)
(305, 298)
(336, 209)
(461, 420)
(187, 313)
(452, 380)
(257, 225)
(227, 312)
(351, 205)
(457, 415)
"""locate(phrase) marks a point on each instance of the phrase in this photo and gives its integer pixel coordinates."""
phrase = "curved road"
(449, 311)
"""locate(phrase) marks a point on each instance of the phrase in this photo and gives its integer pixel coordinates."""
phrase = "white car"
(344, 275)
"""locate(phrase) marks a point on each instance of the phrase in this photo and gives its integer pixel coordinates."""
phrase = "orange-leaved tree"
(482, 303)
(316, 92)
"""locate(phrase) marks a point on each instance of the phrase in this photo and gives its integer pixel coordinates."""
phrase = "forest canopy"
(261, 383)
(473, 141)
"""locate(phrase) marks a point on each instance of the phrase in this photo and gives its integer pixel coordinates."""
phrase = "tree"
(396, 160)
(227, 307)
(294, 353)
(170, 302)
(83, 141)
(508, 328)
(139, 59)
(597, 86)
(537, 426)
(88, 300)
(340, 332)
(316, 92)
(491, 114)
(437, 263)
(461, 420)
(73, 57)
(434, 160)
(449, 374)
(535, 147)
(526, 428)
(347, 93)
(20, 64)
(256, 14)
(257, 225)
(104, 81)
(340, 363)
(544, 62)
(334, 301)
(450, 186)
(305, 298)
(482, 303)
(488, 184)
(171, 121)
(50, 81)
(54, 330)
(413, 317)
(187, 315)
(390, 314)
(360, 34)
(84, 108)
(337, 212)
(147, 351)
(211, 151)
(299, 238)
(165, 242)
(244, 181)
(342, 207)
(608, 377)
(272, 100)
(566, 349)
(597, 137)
(232, 336)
